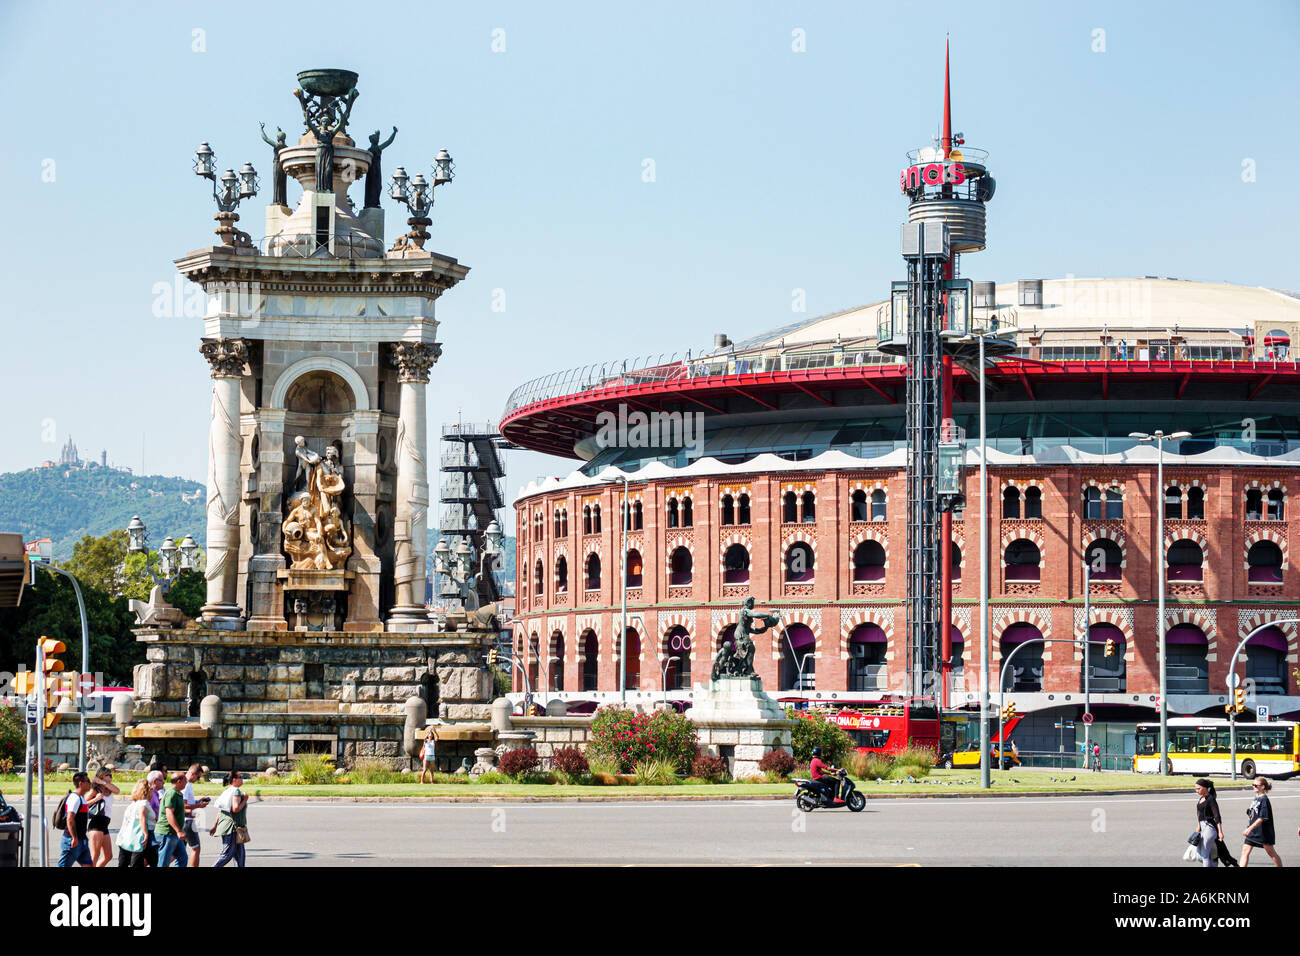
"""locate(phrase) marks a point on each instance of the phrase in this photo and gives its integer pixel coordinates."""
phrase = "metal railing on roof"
(306, 245)
(678, 368)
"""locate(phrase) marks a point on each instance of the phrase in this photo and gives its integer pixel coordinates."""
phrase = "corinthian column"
(413, 361)
(227, 358)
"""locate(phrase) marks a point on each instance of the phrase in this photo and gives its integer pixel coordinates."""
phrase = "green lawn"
(940, 783)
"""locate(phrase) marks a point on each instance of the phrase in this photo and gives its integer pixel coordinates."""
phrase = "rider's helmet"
(817, 751)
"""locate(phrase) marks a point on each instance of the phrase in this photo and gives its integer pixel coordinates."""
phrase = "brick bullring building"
(793, 492)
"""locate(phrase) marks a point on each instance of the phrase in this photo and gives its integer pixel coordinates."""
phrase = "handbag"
(241, 836)
(1195, 839)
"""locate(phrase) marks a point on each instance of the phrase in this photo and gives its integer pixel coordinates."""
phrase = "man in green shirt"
(168, 831)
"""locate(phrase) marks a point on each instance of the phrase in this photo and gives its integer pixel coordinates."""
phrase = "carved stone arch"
(1039, 617)
(868, 485)
(666, 623)
(1188, 534)
(1201, 619)
(869, 534)
(806, 535)
(1265, 534)
(1024, 484)
(1027, 532)
(742, 538)
(1248, 620)
(321, 363)
(810, 618)
(1264, 484)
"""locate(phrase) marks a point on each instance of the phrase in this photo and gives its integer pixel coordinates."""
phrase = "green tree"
(100, 562)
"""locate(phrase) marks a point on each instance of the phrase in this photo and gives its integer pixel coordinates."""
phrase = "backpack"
(61, 813)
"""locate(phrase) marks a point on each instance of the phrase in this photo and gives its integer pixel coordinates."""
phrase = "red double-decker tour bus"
(884, 726)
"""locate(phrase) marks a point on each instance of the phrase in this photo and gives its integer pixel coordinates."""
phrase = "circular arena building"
(774, 468)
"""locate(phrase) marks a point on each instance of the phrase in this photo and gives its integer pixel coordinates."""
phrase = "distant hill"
(63, 504)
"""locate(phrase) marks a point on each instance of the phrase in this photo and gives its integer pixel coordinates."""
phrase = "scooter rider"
(822, 774)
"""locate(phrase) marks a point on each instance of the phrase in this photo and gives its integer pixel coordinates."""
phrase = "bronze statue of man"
(375, 177)
(279, 191)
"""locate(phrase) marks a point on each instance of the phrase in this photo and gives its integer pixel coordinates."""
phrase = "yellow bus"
(1200, 745)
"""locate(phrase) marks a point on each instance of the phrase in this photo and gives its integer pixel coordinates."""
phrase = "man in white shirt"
(191, 804)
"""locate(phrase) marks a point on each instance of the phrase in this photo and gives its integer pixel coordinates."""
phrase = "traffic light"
(1008, 711)
(493, 655)
(49, 647)
(1110, 647)
(25, 683)
(1238, 700)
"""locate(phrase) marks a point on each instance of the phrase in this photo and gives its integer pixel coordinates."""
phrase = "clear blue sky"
(774, 170)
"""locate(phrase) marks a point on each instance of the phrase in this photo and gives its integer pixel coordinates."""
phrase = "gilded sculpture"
(314, 534)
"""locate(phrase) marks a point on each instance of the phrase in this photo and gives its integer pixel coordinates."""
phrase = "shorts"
(190, 834)
(431, 758)
(97, 825)
(73, 856)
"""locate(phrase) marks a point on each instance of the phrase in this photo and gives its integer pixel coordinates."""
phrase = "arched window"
(878, 507)
(809, 507)
(595, 519)
(593, 572)
(558, 532)
(728, 509)
(672, 513)
(1264, 563)
(633, 666)
(555, 663)
(1011, 502)
(1185, 560)
(869, 562)
(799, 563)
(1196, 503)
(1114, 503)
(1266, 662)
(867, 667)
(735, 565)
(677, 673)
(858, 506)
(1173, 502)
(955, 561)
(634, 568)
(1023, 561)
(680, 567)
(1092, 503)
(1108, 673)
(1188, 665)
(1027, 665)
(539, 578)
(1254, 505)
(539, 527)
(636, 516)
(561, 574)
(1034, 502)
(1276, 505)
(742, 511)
(1104, 560)
(798, 658)
(789, 508)
(590, 660)
(586, 519)
(688, 515)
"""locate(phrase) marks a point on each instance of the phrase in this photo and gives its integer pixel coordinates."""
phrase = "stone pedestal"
(735, 720)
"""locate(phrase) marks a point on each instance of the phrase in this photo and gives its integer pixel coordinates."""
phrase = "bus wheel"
(1248, 769)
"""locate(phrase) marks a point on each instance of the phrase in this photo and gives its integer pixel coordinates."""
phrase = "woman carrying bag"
(232, 822)
(1261, 831)
(1209, 825)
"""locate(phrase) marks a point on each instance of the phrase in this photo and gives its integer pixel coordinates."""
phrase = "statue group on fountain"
(314, 535)
(736, 658)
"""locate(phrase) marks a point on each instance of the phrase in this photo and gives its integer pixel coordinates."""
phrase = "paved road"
(1136, 830)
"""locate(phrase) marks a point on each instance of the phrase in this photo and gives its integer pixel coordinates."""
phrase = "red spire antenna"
(947, 105)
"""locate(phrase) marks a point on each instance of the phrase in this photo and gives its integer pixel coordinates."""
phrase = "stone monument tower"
(321, 344)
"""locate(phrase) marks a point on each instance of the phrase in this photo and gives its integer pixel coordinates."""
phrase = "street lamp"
(1159, 437)
(227, 193)
(980, 335)
(625, 519)
(416, 194)
(169, 563)
(664, 673)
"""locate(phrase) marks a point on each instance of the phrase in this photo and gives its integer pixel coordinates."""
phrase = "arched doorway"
(1266, 661)
(677, 673)
(797, 646)
(1187, 670)
(1108, 673)
(633, 664)
(590, 662)
(1027, 666)
(866, 665)
(555, 663)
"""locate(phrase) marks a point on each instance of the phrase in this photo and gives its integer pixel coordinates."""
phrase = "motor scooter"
(809, 798)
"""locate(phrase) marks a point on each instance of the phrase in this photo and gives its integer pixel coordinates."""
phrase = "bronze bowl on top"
(327, 82)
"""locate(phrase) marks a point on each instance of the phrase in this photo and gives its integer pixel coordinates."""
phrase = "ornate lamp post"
(417, 196)
(460, 566)
(172, 560)
(227, 192)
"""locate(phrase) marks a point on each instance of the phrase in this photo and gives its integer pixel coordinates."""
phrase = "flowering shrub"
(516, 762)
(569, 761)
(779, 763)
(626, 738)
(813, 730)
(709, 767)
(13, 734)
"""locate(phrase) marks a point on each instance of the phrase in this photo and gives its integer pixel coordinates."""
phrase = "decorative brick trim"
(868, 485)
(1015, 528)
(866, 532)
(809, 617)
(1201, 619)
(1023, 484)
(1183, 532)
(1262, 484)
(807, 535)
(1248, 620)
(798, 487)
(1120, 617)
(1265, 534)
